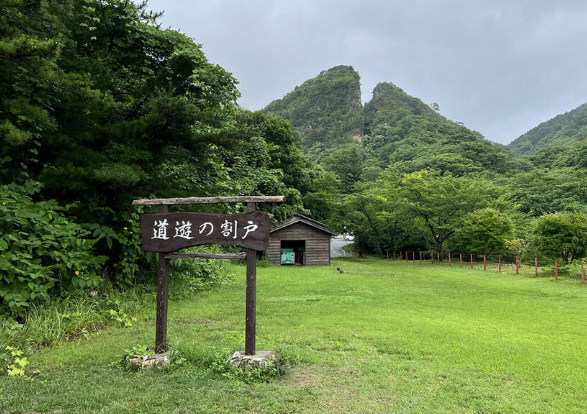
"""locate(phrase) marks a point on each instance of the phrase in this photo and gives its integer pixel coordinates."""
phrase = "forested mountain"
(400, 175)
(358, 142)
(567, 128)
(403, 131)
(326, 110)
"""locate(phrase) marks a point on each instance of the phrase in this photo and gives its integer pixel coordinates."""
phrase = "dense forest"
(99, 106)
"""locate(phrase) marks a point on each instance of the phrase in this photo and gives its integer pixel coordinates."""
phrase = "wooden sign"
(169, 232)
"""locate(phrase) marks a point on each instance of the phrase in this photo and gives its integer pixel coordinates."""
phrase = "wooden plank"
(235, 256)
(251, 297)
(171, 232)
(208, 200)
(162, 297)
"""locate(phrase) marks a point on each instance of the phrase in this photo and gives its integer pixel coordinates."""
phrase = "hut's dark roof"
(298, 218)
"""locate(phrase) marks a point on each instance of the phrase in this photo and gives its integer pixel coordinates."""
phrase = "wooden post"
(499, 265)
(162, 299)
(471, 261)
(394, 255)
(420, 257)
(536, 266)
(432, 257)
(449, 258)
(517, 264)
(400, 255)
(556, 269)
(484, 262)
(582, 273)
(407, 256)
(461, 259)
(438, 258)
(413, 257)
(251, 297)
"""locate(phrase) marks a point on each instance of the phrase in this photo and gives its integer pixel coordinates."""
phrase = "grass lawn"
(385, 336)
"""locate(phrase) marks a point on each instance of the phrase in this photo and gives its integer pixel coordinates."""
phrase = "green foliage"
(42, 249)
(544, 191)
(441, 202)
(347, 164)
(188, 277)
(326, 109)
(250, 374)
(567, 128)
(14, 362)
(561, 235)
(487, 231)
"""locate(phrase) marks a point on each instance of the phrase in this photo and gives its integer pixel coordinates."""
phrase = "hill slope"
(324, 109)
(393, 128)
(567, 128)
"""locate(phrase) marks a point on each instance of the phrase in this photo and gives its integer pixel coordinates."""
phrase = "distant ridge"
(564, 129)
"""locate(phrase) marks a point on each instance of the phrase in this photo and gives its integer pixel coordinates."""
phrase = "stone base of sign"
(260, 360)
(150, 361)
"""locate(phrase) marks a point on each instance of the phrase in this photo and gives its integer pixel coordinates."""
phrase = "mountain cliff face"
(564, 129)
(393, 128)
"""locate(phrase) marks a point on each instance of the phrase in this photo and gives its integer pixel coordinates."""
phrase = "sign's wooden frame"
(165, 256)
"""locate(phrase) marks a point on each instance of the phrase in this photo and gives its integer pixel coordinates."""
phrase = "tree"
(441, 202)
(378, 217)
(561, 235)
(347, 164)
(487, 231)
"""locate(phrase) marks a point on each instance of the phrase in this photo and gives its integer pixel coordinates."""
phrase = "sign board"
(169, 232)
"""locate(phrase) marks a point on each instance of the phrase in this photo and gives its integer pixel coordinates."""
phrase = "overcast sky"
(499, 66)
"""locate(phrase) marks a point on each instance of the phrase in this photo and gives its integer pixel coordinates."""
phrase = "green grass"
(385, 336)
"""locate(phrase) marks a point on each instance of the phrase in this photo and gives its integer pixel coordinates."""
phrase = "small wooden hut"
(300, 241)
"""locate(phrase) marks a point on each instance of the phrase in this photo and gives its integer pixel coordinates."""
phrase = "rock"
(148, 361)
(259, 360)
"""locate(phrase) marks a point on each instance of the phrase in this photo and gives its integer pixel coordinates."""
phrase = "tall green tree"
(561, 235)
(441, 202)
(487, 231)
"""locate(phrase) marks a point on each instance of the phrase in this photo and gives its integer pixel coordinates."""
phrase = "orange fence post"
(536, 266)
(484, 262)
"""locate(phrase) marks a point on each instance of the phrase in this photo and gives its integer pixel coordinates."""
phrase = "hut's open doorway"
(293, 252)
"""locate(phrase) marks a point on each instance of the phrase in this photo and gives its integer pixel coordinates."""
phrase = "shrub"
(40, 249)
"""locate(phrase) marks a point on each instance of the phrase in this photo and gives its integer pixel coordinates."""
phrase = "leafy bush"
(191, 276)
(40, 249)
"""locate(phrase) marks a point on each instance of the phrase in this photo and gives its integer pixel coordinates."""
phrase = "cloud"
(501, 67)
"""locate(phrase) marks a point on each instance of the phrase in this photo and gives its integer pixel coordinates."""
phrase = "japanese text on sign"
(172, 231)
